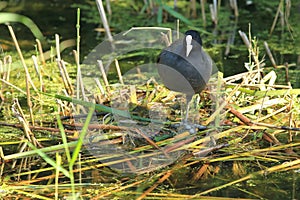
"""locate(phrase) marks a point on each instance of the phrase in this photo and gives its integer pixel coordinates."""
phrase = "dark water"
(52, 17)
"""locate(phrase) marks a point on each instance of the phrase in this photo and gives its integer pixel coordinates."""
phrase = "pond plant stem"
(57, 47)
(65, 77)
(193, 7)
(103, 73)
(214, 12)
(18, 113)
(203, 12)
(270, 54)
(40, 49)
(7, 61)
(27, 75)
(104, 21)
(38, 71)
(234, 6)
(119, 72)
(79, 83)
(99, 85)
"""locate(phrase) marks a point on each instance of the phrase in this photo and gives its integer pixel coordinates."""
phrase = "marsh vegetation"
(84, 114)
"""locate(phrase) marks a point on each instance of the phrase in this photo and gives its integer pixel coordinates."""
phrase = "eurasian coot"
(185, 67)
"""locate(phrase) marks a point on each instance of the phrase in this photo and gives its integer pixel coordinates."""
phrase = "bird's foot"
(190, 127)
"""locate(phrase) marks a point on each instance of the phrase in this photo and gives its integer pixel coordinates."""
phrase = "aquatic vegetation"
(122, 138)
(13, 17)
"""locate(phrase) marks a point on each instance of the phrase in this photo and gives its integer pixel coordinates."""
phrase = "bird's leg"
(187, 107)
(185, 124)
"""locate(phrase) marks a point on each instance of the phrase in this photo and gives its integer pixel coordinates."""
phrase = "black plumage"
(184, 66)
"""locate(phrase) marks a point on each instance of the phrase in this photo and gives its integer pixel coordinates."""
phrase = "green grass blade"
(82, 135)
(176, 14)
(49, 160)
(64, 138)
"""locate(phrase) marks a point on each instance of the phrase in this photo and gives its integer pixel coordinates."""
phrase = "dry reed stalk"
(234, 6)
(193, 8)
(245, 38)
(57, 172)
(272, 114)
(262, 104)
(40, 49)
(1, 162)
(21, 149)
(2, 85)
(99, 85)
(108, 7)
(278, 13)
(200, 172)
(2, 68)
(66, 109)
(119, 71)
(287, 74)
(177, 145)
(36, 67)
(28, 78)
(161, 180)
(273, 169)
(231, 38)
(240, 76)
(117, 189)
(151, 142)
(62, 74)
(99, 126)
(203, 12)
(29, 103)
(177, 28)
(104, 21)
(18, 113)
(13, 86)
(57, 47)
(222, 105)
(250, 123)
(27, 75)
(270, 54)
(290, 120)
(133, 98)
(254, 51)
(214, 12)
(65, 77)
(100, 64)
(166, 39)
(7, 61)
(40, 128)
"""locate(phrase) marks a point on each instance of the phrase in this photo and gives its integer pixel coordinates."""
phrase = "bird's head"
(192, 40)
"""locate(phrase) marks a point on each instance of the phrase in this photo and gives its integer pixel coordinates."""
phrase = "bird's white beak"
(189, 45)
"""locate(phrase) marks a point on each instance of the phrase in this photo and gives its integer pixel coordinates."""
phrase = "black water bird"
(185, 67)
